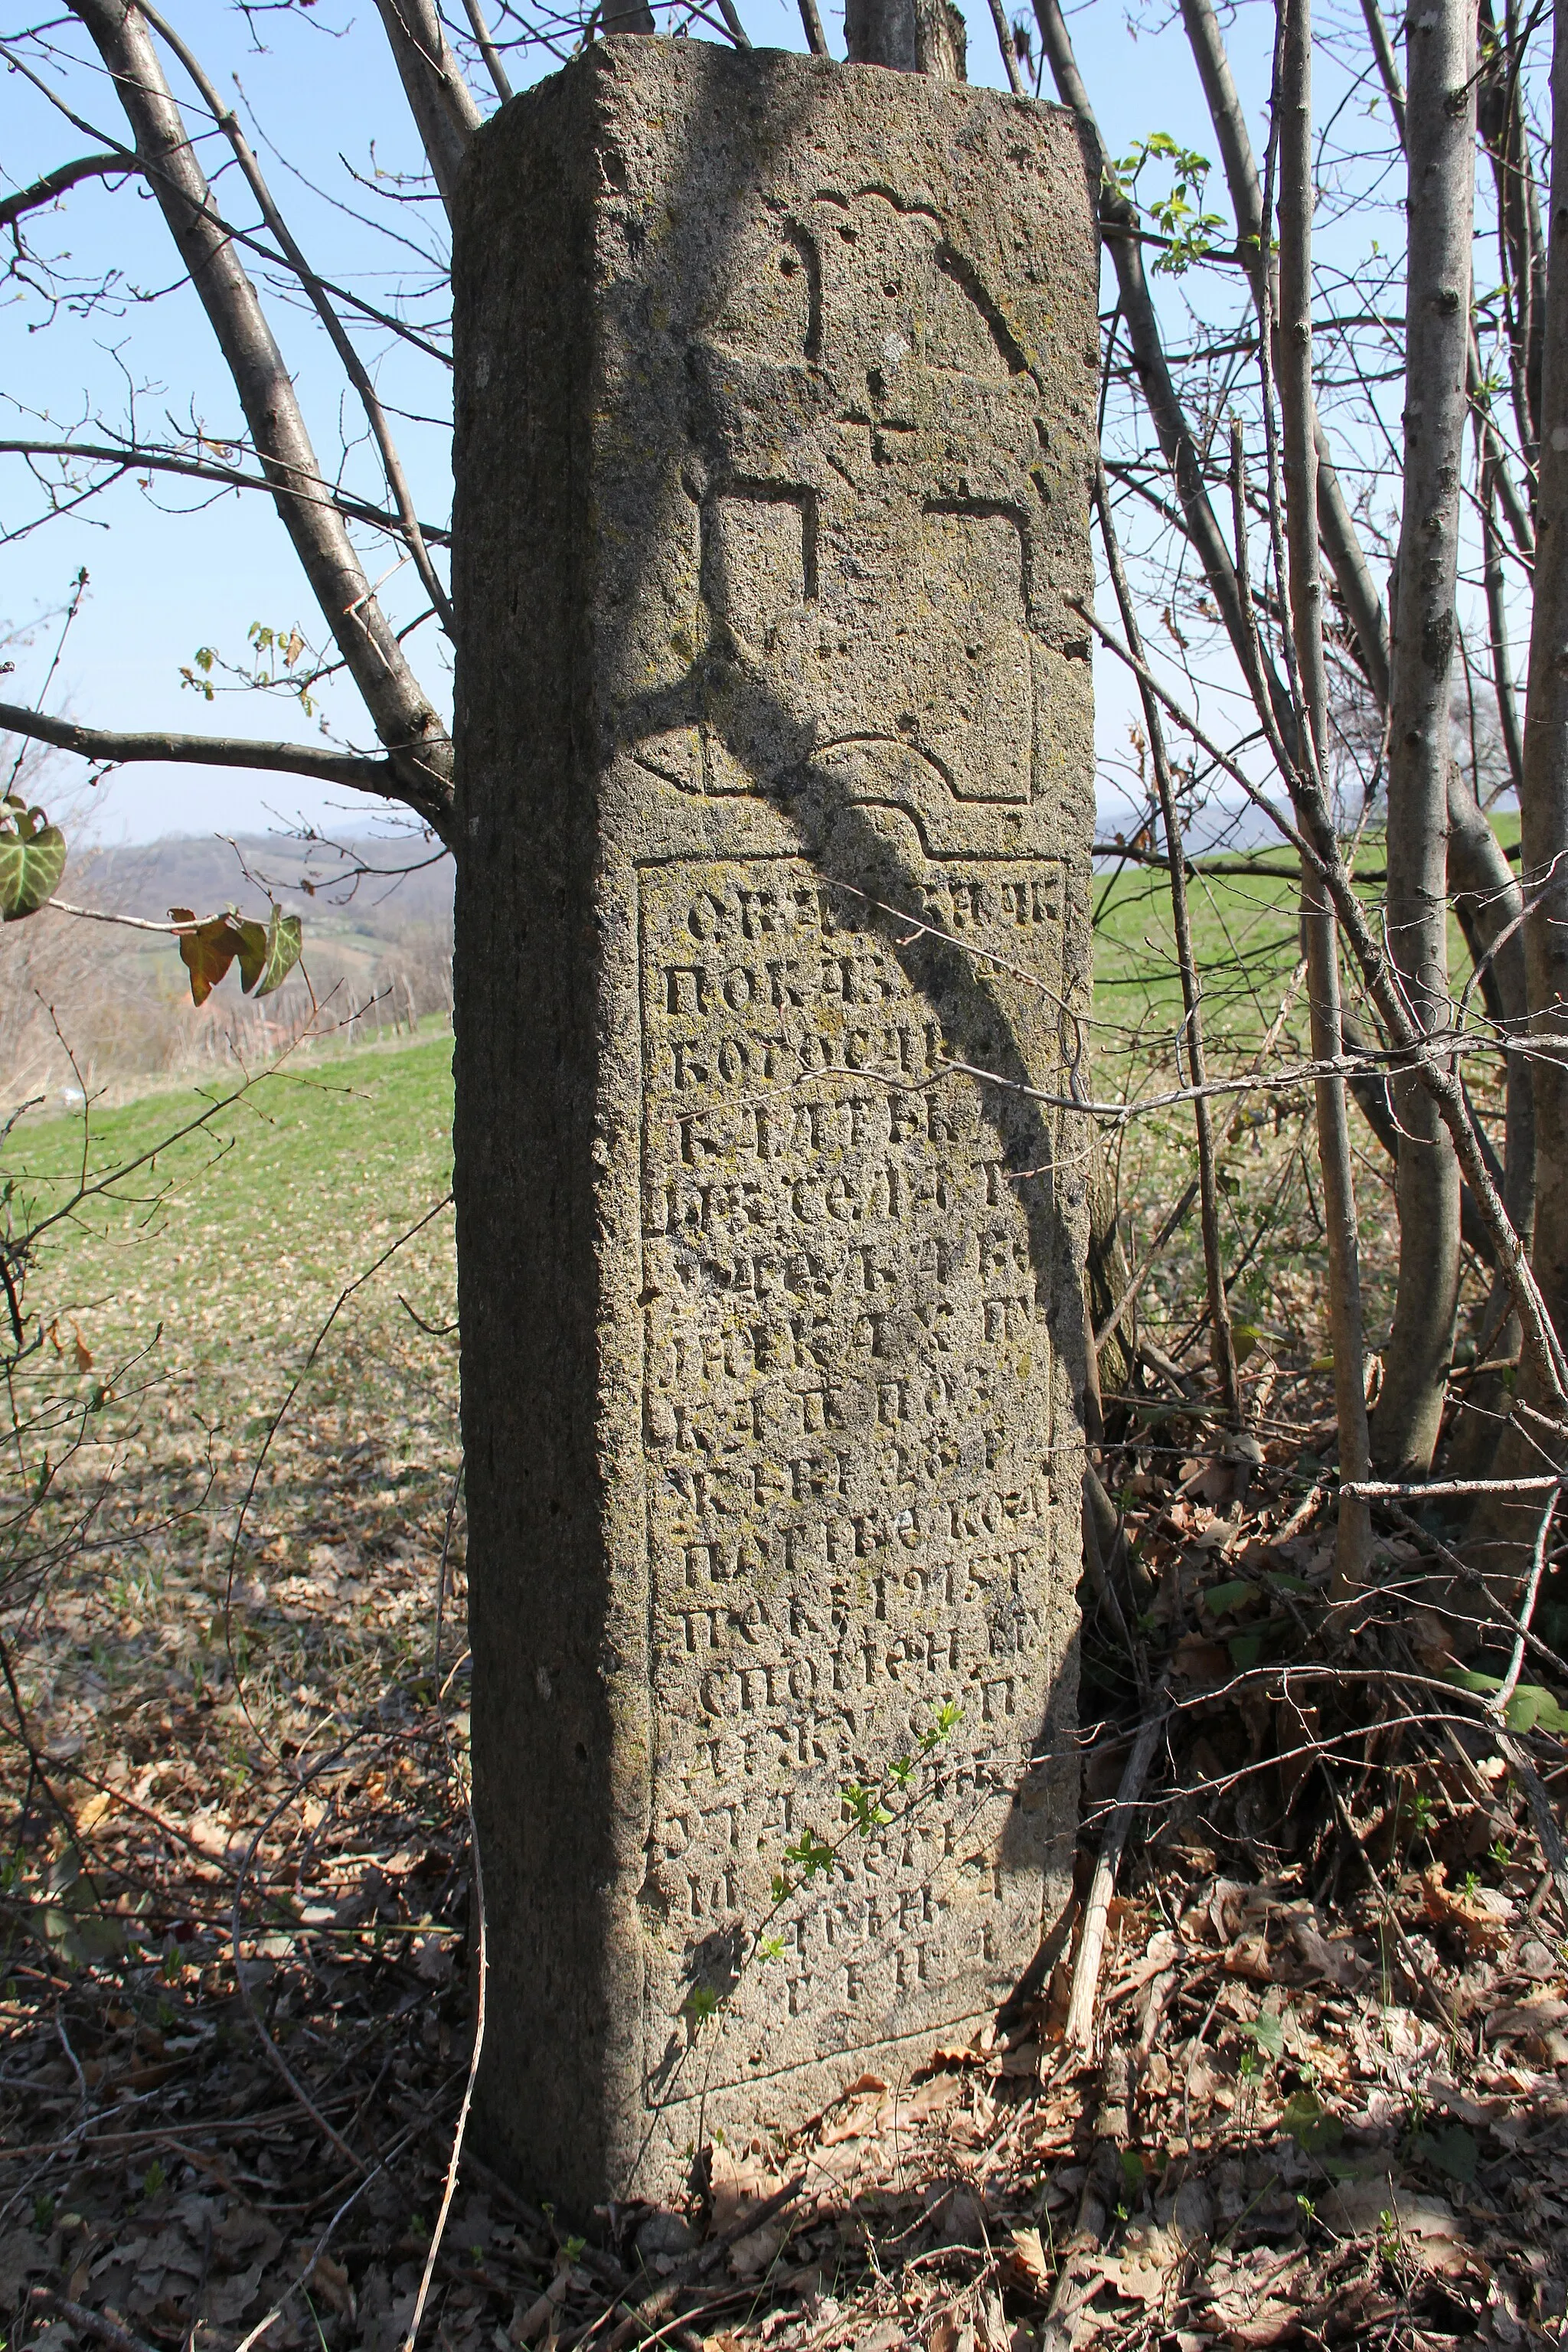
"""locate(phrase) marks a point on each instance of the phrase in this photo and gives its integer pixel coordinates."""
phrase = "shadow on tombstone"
(774, 411)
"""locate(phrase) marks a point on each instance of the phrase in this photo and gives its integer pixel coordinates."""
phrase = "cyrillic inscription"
(848, 1420)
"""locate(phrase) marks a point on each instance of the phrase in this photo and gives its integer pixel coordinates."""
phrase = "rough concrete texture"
(776, 390)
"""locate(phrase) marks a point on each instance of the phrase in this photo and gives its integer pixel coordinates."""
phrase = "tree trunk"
(1544, 800)
(407, 726)
(1298, 413)
(1439, 137)
(911, 36)
(1489, 903)
(440, 99)
(1503, 1531)
(1501, 121)
(1342, 542)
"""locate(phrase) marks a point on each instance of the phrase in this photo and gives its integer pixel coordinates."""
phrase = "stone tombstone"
(776, 390)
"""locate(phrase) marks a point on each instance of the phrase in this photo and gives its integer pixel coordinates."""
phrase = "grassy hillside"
(193, 1289)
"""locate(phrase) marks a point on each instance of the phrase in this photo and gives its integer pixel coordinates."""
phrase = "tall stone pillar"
(775, 393)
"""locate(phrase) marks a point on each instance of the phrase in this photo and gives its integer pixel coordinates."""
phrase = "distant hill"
(112, 1005)
(322, 882)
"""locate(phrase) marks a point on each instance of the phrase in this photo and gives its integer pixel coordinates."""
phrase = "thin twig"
(451, 2190)
(87, 2322)
(1498, 1704)
(1077, 2035)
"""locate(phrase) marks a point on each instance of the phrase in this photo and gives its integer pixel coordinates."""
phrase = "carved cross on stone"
(871, 470)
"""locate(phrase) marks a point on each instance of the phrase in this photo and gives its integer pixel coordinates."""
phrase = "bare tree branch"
(115, 750)
(499, 79)
(1118, 224)
(1303, 508)
(55, 182)
(353, 366)
(133, 458)
(1227, 1369)
(1342, 542)
(1512, 503)
(440, 99)
(1317, 845)
(132, 162)
(414, 735)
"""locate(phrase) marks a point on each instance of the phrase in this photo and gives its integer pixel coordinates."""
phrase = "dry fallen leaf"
(333, 2281)
(1480, 1913)
(539, 2314)
(1428, 2226)
(751, 2255)
(863, 2110)
(960, 2053)
(1249, 1957)
(1523, 2020)
(1335, 1961)
(1029, 2267)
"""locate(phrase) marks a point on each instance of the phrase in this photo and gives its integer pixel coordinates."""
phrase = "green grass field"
(198, 1285)
(239, 1235)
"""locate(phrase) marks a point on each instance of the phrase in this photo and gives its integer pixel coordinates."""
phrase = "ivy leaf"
(268, 955)
(267, 952)
(1309, 2125)
(1223, 1598)
(1268, 2032)
(1452, 2151)
(207, 950)
(32, 859)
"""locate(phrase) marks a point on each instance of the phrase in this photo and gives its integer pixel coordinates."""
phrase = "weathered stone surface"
(776, 386)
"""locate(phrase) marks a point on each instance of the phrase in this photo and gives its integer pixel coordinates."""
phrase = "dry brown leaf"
(990, 2330)
(1522, 2020)
(1029, 2264)
(864, 2107)
(751, 2255)
(333, 2281)
(1332, 1960)
(934, 2096)
(230, 2299)
(737, 2181)
(539, 2314)
(1481, 1915)
(1428, 2226)
(1135, 2278)
(1273, 2322)
(1249, 1957)
(1197, 1661)
(960, 2053)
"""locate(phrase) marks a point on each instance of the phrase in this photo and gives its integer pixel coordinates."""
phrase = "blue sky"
(162, 584)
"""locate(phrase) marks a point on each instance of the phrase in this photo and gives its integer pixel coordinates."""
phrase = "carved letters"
(847, 1414)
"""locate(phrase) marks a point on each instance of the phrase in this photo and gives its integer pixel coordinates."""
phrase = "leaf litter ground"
(1327, 2103)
